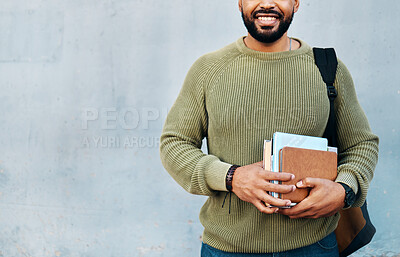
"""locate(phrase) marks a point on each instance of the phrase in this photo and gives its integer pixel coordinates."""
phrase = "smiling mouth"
(266, 18)
(267, 15)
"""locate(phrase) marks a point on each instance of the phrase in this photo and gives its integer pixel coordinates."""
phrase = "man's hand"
(325, 199)
(251, 183)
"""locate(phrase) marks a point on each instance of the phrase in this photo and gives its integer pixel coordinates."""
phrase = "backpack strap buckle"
(332, 92)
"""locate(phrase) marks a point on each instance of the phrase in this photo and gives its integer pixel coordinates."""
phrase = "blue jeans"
(326, 247)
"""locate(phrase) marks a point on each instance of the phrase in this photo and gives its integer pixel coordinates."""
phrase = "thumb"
(307, 182)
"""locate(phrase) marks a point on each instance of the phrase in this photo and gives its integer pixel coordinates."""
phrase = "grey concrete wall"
(84, 89)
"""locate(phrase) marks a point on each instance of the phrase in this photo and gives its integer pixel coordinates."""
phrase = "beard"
(266, 34)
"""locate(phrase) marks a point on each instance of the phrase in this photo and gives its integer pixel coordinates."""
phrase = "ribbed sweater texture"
(237, 97)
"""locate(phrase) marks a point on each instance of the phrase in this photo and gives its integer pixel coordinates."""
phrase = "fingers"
(264, 202)
(268, 186)
(280, 176)
(263, 207)
(269, 175)
(278, 188)
(321, 202)
(304, 209)
(308, 182)
(251, 183)
(270, 200)
(272, 206)
(279, 202)
(298, 211)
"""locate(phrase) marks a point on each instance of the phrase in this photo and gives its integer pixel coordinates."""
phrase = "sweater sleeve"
(358, 146)
(182, 135)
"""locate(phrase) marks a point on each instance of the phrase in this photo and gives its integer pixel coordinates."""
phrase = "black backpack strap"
(326, 61)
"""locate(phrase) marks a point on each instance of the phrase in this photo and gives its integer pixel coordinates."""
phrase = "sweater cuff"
(348, 178)
(215, 175)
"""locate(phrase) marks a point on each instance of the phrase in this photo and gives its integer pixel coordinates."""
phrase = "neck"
(281, 45)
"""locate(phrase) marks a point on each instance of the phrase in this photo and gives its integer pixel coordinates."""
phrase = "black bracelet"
(229, 177)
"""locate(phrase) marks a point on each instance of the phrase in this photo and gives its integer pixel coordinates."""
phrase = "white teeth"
(267, 18)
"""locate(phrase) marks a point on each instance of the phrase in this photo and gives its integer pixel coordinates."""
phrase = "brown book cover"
(306, 163)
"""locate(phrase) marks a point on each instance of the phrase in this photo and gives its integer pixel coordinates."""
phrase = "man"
(240, 95)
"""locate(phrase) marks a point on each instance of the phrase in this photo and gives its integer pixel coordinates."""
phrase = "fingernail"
(288, 203)
(276, 210)
(292, 177)
(299, 184)
(293, 188)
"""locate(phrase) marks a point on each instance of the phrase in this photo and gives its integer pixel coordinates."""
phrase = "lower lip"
(267, 23)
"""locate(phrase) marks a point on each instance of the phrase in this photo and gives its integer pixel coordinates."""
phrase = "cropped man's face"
(267, 20)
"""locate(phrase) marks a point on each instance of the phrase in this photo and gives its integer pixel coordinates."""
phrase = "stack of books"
(303, 156)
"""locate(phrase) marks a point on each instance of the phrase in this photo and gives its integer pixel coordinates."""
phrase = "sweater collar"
(304, 48)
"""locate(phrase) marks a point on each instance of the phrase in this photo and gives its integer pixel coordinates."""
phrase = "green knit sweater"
(237, 97)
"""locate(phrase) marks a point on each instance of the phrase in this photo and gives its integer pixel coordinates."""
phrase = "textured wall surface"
(85, 86)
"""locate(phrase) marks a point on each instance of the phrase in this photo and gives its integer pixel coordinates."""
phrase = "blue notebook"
(281, 140)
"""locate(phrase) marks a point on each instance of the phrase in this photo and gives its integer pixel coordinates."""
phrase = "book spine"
(275, 159)
(267, 157)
